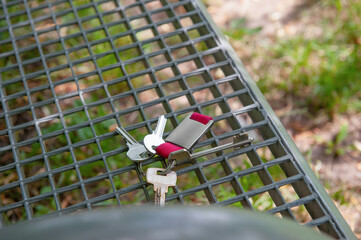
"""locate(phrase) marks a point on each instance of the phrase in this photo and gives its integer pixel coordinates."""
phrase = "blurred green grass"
(324, 70)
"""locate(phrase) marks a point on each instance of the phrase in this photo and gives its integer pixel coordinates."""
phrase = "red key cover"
(201, 118)
(166, 148)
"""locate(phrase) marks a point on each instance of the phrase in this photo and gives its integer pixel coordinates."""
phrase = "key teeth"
(243, 137)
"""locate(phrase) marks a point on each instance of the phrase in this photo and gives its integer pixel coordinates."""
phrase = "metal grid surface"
(73, 70)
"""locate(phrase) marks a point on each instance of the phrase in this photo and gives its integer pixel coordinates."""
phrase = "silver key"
(239, 141)
(183, 156)
(156, 137)
(161, 183)
(137, 152)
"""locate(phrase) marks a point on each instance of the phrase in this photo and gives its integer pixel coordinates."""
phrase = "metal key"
(161, 183)
(156, 137)
(137, 152)
(239, 141)
(183, 156)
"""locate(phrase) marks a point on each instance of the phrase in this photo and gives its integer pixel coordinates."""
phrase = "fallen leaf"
(112, 127)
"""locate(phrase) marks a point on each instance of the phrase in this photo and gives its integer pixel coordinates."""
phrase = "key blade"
(126, 135)
(159, 130)
(239, 141)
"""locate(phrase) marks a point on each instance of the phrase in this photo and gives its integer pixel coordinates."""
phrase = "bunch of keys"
(140, 152)
(176, 148)
(137, 152)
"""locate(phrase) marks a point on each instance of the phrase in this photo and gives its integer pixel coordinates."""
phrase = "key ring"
(165, 172)
(169, 168)
(140, 168)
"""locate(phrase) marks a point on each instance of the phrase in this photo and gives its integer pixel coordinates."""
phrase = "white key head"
(156, 137)
(154, 178)
(152, 140)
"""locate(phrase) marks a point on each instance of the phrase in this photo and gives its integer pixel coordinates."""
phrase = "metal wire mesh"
(73, 70)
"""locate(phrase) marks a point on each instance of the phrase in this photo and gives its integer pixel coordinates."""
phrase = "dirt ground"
(340, 173)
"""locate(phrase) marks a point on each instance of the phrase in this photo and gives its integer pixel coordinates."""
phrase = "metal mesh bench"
(71, 71)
